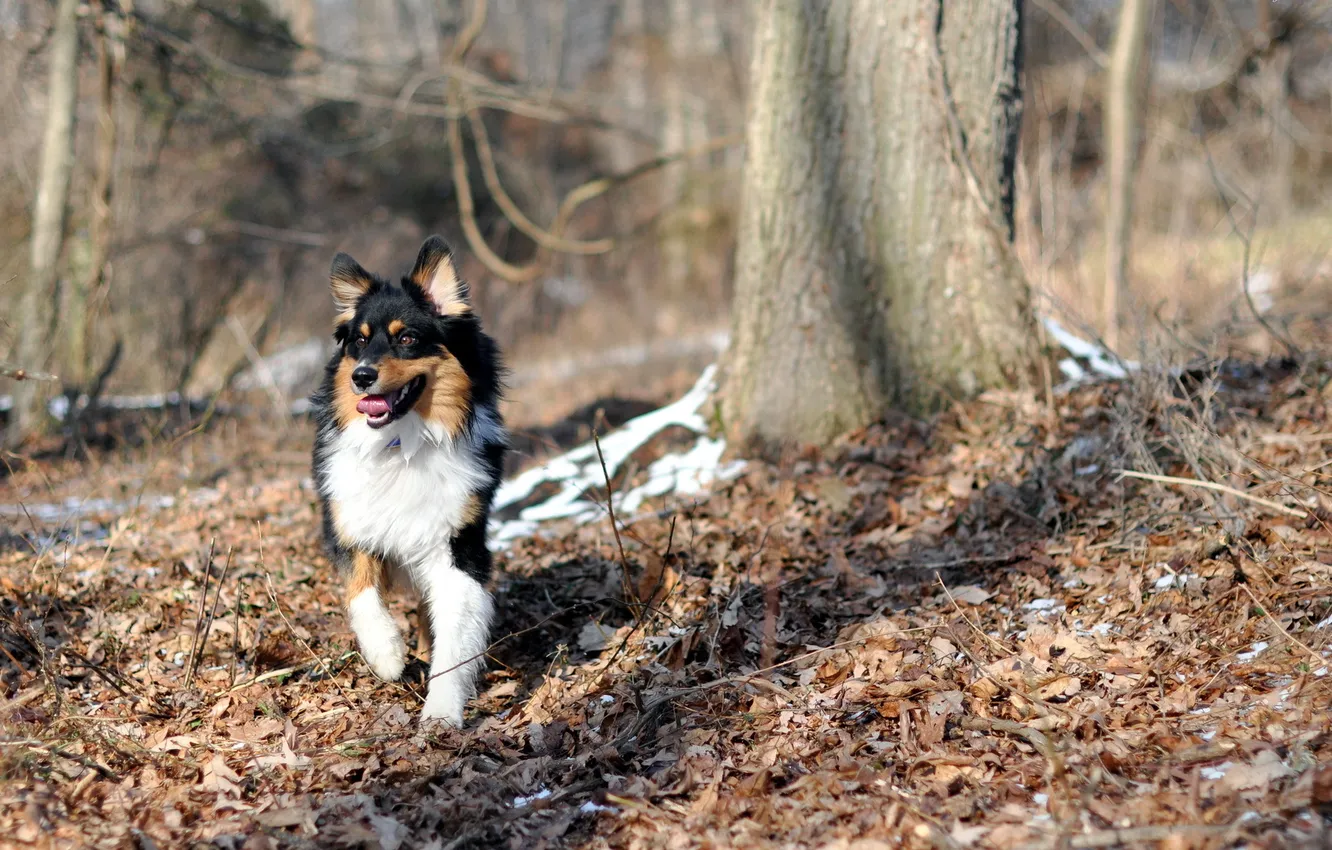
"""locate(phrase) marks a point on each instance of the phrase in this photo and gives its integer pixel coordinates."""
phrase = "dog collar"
(396, 444)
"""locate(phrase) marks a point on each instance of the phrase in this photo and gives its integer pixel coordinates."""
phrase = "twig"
(197, 660)
(1246, 240)
(615, 526)
(318, 659)
(235, 632)
(273, 234)
(256, 360)
(1209, 485)
(271, 674)
(1035, 737)
(8, 370)
(199, 617)
(975, 628)
(1318, 659)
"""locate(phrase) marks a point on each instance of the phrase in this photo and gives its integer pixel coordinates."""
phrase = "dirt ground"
(969, 632)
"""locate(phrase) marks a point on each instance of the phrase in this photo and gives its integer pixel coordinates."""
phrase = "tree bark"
(83, 296)
(1125, 87)
(32, 319)
(875, 265)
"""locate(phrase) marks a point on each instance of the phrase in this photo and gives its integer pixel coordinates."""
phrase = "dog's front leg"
(380, 639)
(460, 609)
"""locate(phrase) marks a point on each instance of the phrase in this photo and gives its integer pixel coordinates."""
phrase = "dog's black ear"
(349, 282)
(438, 278)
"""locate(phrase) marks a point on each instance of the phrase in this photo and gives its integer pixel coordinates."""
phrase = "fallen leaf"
(1266, 768)
(970, 594)
(220, 778)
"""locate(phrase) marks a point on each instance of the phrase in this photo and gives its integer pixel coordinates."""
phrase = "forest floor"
(970, 632)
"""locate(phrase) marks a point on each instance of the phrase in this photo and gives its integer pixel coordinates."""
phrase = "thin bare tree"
(83, 296)
(32, 318)
(1125, 86)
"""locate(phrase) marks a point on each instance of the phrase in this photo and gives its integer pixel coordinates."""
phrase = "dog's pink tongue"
(373, 405)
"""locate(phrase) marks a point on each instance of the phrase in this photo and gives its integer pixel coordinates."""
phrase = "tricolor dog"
(407, 457)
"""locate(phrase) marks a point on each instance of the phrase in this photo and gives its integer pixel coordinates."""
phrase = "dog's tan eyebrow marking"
(395, 327)
(365, 329)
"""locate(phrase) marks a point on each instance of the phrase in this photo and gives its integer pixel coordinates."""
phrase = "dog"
(408, 453)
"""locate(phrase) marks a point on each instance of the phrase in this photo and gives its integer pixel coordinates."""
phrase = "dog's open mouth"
(380, 410)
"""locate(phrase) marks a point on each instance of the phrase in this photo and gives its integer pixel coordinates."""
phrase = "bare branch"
(468, 36)
(510, 209)
(592, 189)
(467, 214)
(274, 234)
(484, 91)
(1080, 35)
(19, 374)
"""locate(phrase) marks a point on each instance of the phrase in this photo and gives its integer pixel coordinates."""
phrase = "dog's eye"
(406, 339)
(360, 341)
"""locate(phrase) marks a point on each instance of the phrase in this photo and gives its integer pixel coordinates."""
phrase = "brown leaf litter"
(967, 633)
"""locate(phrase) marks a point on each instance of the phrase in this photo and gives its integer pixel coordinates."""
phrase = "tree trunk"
(32, 319)
(84, 296)
(875, 265)
(1123, 114)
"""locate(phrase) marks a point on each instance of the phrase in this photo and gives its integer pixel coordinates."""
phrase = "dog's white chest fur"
(406, 500)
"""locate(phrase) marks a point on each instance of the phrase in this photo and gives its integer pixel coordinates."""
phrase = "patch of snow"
(1324, 623)
(1218, 772)
(607, 699)
(580, 470)
(1207, 735)
(522, 802)
(1040, 799)
(73, 508)
(1088, 470)
(1170, 580)
(1100, 362)
(1043, 605)
(591, 808)
(1101, 629)
(1254, 652)
(1261, 284)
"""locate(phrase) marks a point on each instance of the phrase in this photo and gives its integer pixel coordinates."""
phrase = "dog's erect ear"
(349, 282)
(438, 278)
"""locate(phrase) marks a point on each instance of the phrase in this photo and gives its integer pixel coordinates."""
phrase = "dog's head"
(396, 341)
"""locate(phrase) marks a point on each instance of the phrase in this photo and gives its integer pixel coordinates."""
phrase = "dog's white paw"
(386, 660)
(445, 701)
(380, 639)
(446, 716)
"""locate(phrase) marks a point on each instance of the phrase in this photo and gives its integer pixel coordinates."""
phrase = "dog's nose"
(364, 376)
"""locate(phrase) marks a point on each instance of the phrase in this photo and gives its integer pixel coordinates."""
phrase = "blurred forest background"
(223, 151)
